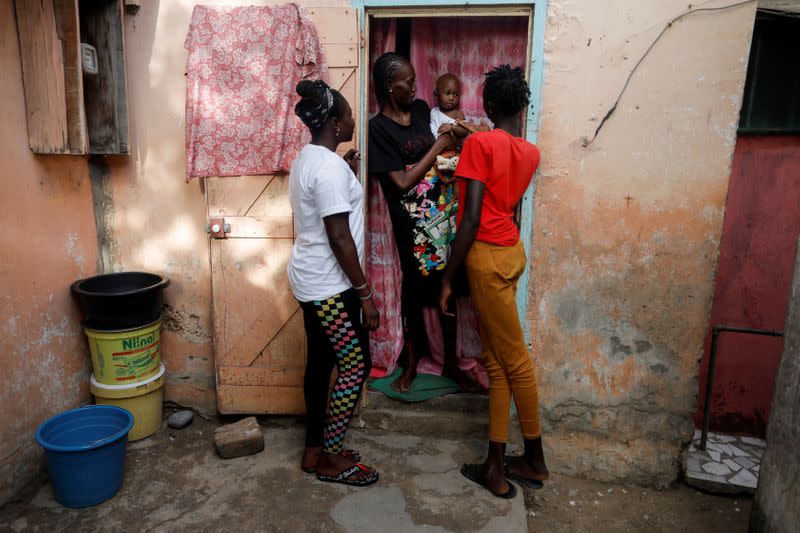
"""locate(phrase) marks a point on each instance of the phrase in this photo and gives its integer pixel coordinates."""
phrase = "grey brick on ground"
(240, 438)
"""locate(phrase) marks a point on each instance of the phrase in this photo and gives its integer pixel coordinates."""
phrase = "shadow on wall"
(148, 218)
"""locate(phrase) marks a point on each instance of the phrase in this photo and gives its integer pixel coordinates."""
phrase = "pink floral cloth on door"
(241, 72)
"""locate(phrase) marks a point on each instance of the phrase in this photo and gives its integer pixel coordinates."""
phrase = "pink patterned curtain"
(383, 36)
(467, 47)
(383, 272)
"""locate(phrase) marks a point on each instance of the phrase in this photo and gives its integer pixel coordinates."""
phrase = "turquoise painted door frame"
(532, 128)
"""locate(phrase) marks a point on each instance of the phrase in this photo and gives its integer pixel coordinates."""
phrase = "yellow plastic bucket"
(142, 399)
(125, 356)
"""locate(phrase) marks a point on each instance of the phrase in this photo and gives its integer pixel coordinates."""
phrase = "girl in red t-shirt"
(495, 169)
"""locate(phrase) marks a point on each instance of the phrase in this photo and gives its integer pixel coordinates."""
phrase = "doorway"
(467, 42)
(762, 223)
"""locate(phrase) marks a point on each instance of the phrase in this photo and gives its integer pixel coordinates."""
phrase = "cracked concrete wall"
(776, 507)
(627, 225)
(47, 242)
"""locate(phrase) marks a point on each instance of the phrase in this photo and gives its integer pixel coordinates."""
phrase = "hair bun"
(311, 88)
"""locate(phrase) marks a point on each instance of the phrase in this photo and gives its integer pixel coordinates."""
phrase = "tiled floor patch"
(729, 464)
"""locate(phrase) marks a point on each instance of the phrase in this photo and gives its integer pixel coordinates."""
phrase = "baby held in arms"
(447, 118)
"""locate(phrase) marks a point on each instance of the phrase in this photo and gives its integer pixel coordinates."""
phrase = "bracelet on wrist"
(365, 298)
(362, 287)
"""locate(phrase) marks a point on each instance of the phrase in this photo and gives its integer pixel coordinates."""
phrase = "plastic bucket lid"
(128, 390)
(90, 329)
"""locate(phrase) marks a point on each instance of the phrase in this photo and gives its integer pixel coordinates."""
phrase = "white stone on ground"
(732, 465)
(745, 479)
(753, 441)
(718, 469)
(738, 452)
(745, 462)
(710, 477)
(724, 448)
(715, 456)
(711, 446)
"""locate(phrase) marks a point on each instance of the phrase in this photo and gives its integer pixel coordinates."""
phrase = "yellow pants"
(493, 273)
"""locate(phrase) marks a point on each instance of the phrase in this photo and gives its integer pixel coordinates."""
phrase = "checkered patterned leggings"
(335, 337)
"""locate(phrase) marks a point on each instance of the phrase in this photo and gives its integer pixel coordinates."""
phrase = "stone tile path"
(729, 464)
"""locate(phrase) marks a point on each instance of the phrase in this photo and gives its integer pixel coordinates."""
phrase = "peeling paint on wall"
(186, 324)
(627, 226)
(43, 355)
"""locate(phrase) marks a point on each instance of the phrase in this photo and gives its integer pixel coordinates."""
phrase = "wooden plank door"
(259, 340)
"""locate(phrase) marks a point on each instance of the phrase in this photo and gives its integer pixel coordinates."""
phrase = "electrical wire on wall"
(669, 24)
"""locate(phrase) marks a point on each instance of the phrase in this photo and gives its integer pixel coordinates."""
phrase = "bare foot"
(403, 383)
(489, 476)
(311, 457)
(334, 464)
(534, 470)
(495, 479)
(464, 381)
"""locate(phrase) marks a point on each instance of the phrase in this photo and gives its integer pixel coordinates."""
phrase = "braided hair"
(318, 104)
(385, 70)
(505, 91)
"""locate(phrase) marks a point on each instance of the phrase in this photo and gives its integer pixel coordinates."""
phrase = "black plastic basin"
(120, 300)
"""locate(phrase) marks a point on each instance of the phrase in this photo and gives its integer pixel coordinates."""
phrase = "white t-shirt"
(437, 119)
(321, 184)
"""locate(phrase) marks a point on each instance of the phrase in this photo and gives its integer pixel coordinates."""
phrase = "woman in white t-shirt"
(326, 277)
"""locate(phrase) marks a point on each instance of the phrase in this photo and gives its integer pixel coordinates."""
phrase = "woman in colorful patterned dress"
(401, 156)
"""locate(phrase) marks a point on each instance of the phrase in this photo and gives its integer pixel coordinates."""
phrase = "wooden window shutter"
(42, 76)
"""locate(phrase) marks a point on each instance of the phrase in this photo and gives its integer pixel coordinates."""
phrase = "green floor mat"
(424, 387)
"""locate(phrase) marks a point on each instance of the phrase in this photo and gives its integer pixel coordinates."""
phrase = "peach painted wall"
(627, 225)
(152, 219)
(47, 242)
(625, 231)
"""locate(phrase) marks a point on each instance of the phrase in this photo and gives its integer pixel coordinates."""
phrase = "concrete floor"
(176, 482)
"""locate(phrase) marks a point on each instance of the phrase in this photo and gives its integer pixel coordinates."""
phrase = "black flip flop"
(342, 476)
(474, 471)
(354, 455)
(533, 484)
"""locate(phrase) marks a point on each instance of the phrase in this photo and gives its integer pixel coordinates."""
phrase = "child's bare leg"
(409, 361)
(451, 369)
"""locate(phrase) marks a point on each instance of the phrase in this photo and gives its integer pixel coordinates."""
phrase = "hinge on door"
(217, 228)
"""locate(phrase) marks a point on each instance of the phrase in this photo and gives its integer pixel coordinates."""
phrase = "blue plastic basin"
(85, 453)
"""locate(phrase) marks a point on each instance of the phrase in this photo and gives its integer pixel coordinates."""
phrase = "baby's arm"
(471, 127)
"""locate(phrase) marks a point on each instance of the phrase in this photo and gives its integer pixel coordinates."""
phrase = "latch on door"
(218, 228)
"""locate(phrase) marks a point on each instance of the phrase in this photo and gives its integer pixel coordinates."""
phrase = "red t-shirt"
(506, 165)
